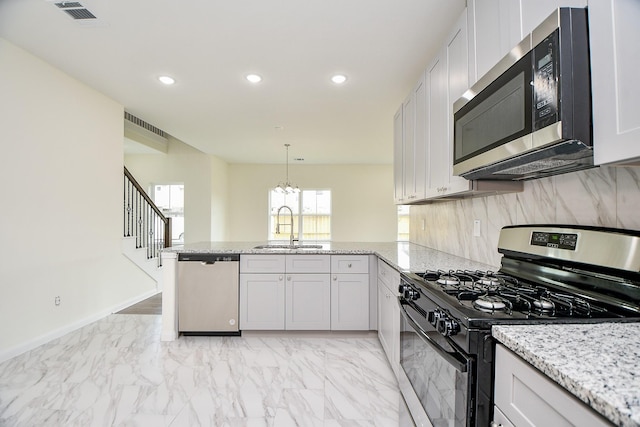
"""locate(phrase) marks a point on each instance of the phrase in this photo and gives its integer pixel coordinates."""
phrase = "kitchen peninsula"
(402, 256)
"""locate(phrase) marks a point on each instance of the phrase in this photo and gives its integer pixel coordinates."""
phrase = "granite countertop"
(403, 256)
(598, 363)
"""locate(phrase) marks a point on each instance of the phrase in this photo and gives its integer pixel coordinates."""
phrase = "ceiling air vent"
(76, 10)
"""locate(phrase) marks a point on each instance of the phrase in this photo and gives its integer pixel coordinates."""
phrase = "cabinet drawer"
(262, 263)
(389, 276)
(357, 264)
(308, 263)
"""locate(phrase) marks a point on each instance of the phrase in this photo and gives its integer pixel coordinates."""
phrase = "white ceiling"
(208, 46)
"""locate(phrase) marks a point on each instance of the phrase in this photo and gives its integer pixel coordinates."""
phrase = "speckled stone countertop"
(403, 256)
(598, 363)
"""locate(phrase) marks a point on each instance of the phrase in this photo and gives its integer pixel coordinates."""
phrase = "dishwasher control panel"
(209, 258)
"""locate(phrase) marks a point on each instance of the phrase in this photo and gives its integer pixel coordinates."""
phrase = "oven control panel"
(555, 240)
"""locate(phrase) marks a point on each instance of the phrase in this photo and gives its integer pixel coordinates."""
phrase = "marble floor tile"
(117, 372)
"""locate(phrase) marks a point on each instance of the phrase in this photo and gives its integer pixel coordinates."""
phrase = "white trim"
(57, 333)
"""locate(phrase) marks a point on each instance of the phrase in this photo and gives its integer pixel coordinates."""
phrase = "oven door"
(435, 377)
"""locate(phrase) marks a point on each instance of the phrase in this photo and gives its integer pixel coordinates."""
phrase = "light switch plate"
(476, 228)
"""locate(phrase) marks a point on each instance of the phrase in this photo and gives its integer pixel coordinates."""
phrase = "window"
(170, 199)
(403, 223)
(310, 211)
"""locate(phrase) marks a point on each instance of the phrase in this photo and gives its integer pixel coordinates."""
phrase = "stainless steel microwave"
(530, 116)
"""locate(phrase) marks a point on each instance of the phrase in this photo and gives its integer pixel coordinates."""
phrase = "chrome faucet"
(291, 239)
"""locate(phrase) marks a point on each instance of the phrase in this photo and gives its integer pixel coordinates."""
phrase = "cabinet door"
(308, 302)
(494, 29)
(421, 141)
(457, 84)
(262, 302)
(350, 302)
(398, 159)
(529, 398)
(389, 325)
(448, 79)
(408, 147)
(615, 60)
(436, 80)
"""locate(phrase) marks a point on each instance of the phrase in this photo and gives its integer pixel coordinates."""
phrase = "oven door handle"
(450, 358)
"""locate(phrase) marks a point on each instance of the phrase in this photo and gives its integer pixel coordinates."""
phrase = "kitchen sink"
(287, 247)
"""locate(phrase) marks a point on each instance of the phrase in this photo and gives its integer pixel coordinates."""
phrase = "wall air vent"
(151, 128)
(138, 131)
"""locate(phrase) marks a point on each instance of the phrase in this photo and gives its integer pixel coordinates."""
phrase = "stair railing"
(144, 220)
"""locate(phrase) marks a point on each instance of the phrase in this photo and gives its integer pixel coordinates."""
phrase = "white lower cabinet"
(350, 292)
(304, 292)
(525, 397)
(389, 314)
(308, 302)
(350, 302)
(262, 304)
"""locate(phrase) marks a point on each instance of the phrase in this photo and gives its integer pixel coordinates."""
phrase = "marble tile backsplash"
(605, 196)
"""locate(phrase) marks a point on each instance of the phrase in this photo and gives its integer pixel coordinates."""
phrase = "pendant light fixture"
(286, 187)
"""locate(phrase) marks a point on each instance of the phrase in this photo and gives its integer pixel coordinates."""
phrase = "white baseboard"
(57, 333)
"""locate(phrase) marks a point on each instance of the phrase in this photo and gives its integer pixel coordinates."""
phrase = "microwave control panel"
(546, 82)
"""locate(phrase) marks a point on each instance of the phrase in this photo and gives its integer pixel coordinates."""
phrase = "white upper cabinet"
(420, 140)
(398, 157)
(408, 146)
(448, 78)
(494, 29)
(614, 27)
(436, 80)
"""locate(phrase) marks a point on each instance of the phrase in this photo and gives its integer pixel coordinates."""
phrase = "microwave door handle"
(460, 366)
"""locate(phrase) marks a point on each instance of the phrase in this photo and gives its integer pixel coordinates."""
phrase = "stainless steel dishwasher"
(208, 293)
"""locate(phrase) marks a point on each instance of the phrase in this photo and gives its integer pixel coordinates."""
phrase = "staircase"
(146, 230)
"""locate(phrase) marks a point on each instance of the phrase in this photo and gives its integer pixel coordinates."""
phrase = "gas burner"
(447, 279)
(543, 305)
(490, 303)
(488, 281)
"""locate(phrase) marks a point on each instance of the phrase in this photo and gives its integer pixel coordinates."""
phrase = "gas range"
(548, 274)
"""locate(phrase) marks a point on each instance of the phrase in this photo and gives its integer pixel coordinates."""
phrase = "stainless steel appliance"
(530, 115)
(208, 294)
(549, 273)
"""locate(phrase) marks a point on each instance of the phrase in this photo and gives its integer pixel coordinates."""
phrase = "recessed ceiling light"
(339, 79)
(254, 78)
(167, 80)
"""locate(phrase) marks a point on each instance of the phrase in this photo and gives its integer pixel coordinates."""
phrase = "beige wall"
(61, 227)
(205, 186)
(362, 199)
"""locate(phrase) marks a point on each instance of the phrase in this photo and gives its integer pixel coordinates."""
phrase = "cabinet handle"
(349, 265)
(280, 278)
(289, 278)
(335, 277)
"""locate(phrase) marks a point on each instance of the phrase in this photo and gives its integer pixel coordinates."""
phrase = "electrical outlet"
(56, 300)
(476, 228)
